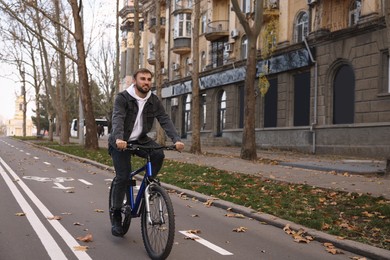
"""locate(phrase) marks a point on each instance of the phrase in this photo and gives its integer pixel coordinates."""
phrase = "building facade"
(15, 125)
(326, 62)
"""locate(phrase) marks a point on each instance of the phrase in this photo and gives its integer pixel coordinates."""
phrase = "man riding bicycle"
(132, 119)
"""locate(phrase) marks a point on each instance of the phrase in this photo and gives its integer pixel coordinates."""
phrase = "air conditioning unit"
(175, 66)
(163, 71)
(234, 33)
(228, 47)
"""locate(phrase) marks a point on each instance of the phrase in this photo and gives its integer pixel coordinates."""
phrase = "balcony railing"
(217, 29)
(181, 45)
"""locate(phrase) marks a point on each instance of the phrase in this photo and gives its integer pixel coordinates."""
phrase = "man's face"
(143, 82)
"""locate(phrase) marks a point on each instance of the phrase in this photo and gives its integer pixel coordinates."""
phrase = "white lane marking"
(66, 236)
(85, 182)
(62, 170)
(204, 242)
(62, 187)
(47, 163)
(47, 240)
(36, 158)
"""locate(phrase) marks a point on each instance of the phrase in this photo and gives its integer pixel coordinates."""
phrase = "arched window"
(354, 12)
(344, 95)
(301, 27)
(221, 112)
(244, 47)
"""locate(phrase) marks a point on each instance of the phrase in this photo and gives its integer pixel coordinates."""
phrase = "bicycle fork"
(147, 204)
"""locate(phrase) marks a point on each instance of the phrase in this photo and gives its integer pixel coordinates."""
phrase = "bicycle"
(152, 203)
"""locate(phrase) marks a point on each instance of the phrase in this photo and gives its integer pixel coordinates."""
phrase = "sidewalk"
(332, 172)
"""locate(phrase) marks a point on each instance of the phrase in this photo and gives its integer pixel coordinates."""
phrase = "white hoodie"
(137, 130)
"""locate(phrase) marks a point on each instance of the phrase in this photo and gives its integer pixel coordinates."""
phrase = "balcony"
(216, 30)
(127, 9)
(152, 58)
(182, 7)
(153, 24)
(181, 45)
(271, 10)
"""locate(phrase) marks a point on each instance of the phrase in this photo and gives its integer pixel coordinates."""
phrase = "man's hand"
(179, 146)
(120, 144)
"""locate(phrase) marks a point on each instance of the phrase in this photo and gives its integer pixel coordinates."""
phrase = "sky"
(10, 85)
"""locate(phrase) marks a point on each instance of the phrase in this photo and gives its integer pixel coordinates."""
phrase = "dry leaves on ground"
(86, 238)
(330, 248)
(298, 236)
(54, 218)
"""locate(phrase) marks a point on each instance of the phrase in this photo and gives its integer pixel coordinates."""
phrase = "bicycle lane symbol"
(56, 181)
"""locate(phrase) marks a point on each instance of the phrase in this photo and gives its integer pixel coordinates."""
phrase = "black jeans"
(122, 165)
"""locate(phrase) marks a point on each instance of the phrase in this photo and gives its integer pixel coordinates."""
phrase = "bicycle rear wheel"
(158, 235)
(126, 209)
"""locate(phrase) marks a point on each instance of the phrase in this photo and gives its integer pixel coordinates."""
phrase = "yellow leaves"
(330, 248)
(80, 248)
(86, 238)
(234, 215)
(20, 214)
(99, 210)
(298, 236)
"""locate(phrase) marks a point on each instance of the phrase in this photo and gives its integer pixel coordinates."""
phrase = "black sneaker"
(116, 228)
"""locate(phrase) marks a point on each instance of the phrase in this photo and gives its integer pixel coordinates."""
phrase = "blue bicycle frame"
(135, 203)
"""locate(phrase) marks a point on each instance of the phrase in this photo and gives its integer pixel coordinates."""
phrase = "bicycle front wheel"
(158, 231)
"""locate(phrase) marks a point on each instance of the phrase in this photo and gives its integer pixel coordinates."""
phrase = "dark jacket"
(125, 113)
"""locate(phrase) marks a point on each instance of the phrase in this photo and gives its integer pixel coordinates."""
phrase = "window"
(203, 60)
(203, 23)
(221, 113)
(246, 6)
(301, 27)
(384, 73)
(244, 47)
(182, 25)
(203, 108)
(344, 96)
(354, 12)
(217, 52)
(187, 115)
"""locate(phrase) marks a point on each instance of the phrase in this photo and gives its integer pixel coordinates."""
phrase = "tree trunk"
(91, 140)
(248, 149)
(195, 144)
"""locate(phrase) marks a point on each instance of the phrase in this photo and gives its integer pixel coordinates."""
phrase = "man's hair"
(142, 70)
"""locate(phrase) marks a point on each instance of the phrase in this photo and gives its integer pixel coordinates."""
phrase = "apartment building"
(326, 62)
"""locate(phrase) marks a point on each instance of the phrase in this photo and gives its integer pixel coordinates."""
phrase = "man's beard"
(140, 89)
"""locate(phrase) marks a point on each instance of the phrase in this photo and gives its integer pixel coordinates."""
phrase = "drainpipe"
(314, 123)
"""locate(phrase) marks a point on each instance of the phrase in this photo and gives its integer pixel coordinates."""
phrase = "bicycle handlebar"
(136, 147)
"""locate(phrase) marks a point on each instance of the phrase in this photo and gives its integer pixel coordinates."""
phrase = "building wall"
(334, 43)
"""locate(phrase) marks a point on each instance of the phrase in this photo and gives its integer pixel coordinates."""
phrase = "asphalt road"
(41, 184)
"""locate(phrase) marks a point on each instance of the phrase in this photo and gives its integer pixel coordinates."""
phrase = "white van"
(99, 121)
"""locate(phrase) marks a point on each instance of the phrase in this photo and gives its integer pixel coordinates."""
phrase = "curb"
(348, 245)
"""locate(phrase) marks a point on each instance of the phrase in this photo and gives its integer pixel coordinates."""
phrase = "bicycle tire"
(158, 237)
(126, 210)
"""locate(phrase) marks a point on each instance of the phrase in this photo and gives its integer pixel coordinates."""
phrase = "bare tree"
(91, 140)
(196, 144)
(252, 24)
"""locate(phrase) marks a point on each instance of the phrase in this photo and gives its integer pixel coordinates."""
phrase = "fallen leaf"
(240, 229)
(77, 224)
(20, 214)
(193, 231)
(234, 215)
(80, 248)
(195, 215)
(54, 218)
(99, 210)
(86, 238)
